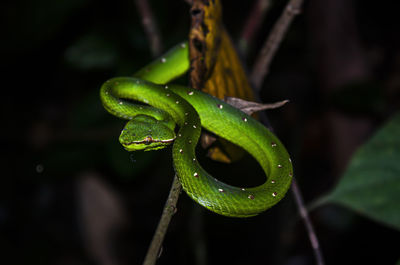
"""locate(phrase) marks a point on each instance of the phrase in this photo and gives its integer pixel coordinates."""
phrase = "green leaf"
(371, 183)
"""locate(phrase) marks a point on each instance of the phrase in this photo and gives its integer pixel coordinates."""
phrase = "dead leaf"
(204, 40)
(215, 65)
(228, 77)
(250, 107)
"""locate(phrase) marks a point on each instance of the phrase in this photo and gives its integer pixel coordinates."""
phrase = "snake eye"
(148, 140)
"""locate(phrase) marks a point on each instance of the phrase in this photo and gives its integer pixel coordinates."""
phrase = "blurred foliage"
(371, 183)
(92, 52)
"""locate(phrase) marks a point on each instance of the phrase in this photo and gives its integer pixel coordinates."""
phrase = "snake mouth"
(148, 140)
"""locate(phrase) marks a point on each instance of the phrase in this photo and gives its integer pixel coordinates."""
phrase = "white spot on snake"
(106, 92)
(195, 174)
(177, 102)
(274, 194)
(290, 160)
(273, 181)
(190, 141)
(163, 60)
(168, 95)
(183, 45)
(185, 122)
(179, 135)
(251, 197)
(194, 159)
(220, 190)
(220, 106)
(194, 126)
(244, 119)
(186, 113)
(243, 189)
(190, 93)
(140, 107)
(180, 151)
(120, 103)
(280, 166)
(166, 87)
(273, 144)
(145, 101)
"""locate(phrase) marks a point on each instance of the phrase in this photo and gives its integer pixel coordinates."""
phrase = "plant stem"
(271, 45)
(259, 72)
(150, 27)
(252, 24)
(307, 222)
(169, 210)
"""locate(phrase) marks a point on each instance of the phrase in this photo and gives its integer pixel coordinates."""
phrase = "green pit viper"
(152, 126)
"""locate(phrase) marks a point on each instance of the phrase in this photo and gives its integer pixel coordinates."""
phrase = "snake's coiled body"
(191, 110)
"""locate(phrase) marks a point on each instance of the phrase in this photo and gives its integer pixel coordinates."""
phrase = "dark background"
(70, 194)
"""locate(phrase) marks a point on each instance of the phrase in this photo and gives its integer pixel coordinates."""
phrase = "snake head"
(146, 133)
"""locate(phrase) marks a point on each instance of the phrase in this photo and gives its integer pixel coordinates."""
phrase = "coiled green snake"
(151, 127)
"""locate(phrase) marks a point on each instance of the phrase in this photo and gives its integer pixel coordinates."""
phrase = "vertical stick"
(307, 222)
(150, 27)
(261, 67)
(252, 24)
(259, 72)
(169, 210)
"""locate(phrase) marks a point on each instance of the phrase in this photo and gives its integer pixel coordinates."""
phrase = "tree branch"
(150, 27)
(307, 222)
(259, 72)
(261, 67)
(252, 24)
(169, 210)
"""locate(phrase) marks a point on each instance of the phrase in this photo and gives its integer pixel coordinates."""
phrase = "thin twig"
(261, 67)
(252, 24)
(150, 27)
(307, 222)
(260, 71)
(169, 210)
